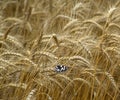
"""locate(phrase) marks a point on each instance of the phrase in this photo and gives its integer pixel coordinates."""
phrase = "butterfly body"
(61, 68)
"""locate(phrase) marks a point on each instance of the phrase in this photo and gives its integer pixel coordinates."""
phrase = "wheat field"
(37, 35)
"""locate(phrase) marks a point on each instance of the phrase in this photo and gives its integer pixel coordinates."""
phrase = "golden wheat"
(37, 35)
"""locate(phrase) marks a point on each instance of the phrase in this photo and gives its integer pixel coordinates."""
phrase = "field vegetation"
(37, 35)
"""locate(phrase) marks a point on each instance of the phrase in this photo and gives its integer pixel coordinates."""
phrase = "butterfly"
(61, 68)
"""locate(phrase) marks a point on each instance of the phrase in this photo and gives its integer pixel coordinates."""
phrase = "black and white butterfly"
(61, 68)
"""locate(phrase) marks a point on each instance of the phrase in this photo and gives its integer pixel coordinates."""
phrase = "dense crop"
(38, 35)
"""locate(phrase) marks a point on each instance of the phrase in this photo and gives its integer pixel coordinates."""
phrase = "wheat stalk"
(30, 95)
